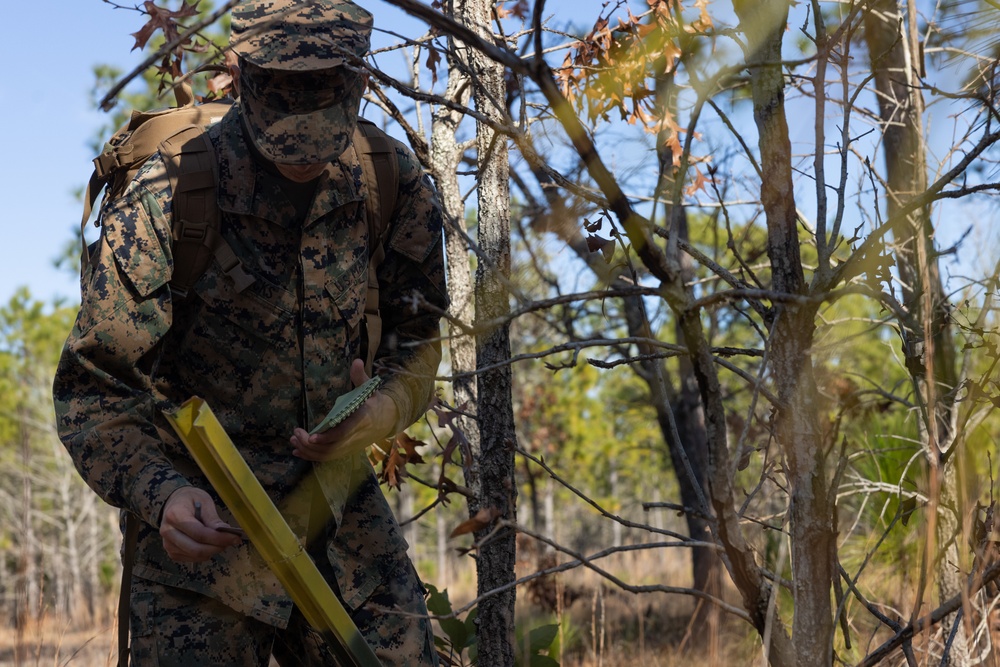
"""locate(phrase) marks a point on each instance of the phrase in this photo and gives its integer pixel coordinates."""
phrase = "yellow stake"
(242, 493)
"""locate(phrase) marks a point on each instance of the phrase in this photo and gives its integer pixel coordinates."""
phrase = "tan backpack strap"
(89, 197)
(125, 595)
(191, 170)
(380, 169)
(134, 143)
(112, 160)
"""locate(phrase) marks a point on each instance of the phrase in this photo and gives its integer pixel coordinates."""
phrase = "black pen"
(239, 532)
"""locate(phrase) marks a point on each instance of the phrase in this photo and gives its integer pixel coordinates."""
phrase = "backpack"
(178, 133)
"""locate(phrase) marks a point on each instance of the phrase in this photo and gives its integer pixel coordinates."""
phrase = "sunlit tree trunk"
(92, 554)
(405, 512)
(496, 490)
(613, 481)
(792, 324)
(446, 156)
(443, 561)
(549, 510)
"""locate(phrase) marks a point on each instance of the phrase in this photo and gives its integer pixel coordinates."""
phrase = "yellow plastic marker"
(242, 493)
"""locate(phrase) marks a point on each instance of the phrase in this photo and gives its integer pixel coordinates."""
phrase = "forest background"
(732, 346)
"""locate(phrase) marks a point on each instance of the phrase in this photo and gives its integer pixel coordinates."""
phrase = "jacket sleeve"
(103, 385)
(412, 294)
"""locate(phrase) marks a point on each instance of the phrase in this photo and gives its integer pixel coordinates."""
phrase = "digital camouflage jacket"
(267, 360)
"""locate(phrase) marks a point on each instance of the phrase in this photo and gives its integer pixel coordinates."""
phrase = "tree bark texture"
(797, 430)
(446, 155)
(496, 490)
(29, 595)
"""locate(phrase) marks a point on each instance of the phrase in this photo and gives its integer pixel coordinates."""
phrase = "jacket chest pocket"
(231, 335)
(347, 292)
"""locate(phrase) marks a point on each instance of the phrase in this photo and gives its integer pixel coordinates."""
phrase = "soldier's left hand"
(372, 422)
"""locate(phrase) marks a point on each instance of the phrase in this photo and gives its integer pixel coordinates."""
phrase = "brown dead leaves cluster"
(391, 457)
(175, 32)
(166, 21)
(615, 68)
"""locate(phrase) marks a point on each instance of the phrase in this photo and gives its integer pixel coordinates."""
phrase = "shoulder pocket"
(137, 249)
(414, 239)
(418, 227)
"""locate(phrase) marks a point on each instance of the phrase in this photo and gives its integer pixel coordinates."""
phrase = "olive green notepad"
(345, 406)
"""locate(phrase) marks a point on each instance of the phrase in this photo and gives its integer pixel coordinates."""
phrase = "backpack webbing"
(380, 168)
(192, 173)
(129, 148)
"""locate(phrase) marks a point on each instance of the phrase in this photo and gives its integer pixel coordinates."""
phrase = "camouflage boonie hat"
(299, 102)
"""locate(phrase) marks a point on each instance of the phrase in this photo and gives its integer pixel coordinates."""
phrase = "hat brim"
(316, 137)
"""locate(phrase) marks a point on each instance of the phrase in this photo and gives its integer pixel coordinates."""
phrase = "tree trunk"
(707, 568)
(797, 431)
(496, 490)
(688, 412)
(27, 603)
(446, 156)
(405, 513)
(927, 336)
(549, 505)
(92, 555)
(616, 528)
(29, 543)
(756, 591)
(534, 504)
(489, 472)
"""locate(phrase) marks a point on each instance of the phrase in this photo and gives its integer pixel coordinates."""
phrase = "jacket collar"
(240, 183)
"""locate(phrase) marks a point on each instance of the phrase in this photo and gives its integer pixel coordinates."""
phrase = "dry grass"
(600, 624)
(605, 626)
(55, 642)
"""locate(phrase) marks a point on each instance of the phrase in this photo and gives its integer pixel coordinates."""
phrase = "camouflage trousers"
(173, 627)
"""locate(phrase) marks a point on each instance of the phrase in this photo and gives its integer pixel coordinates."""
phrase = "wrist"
(386, 415)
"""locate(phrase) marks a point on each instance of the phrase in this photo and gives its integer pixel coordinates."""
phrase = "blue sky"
(48, 120)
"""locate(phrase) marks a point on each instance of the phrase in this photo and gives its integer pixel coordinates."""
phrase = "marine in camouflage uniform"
(269, 359)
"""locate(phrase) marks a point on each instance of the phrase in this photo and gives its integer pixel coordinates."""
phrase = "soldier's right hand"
(189, 527)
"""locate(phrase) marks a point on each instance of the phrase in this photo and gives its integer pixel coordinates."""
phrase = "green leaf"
(543, 661)
(439, 605)
(437, 601)
(470, 625)
(541, 638)
(456, 632)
